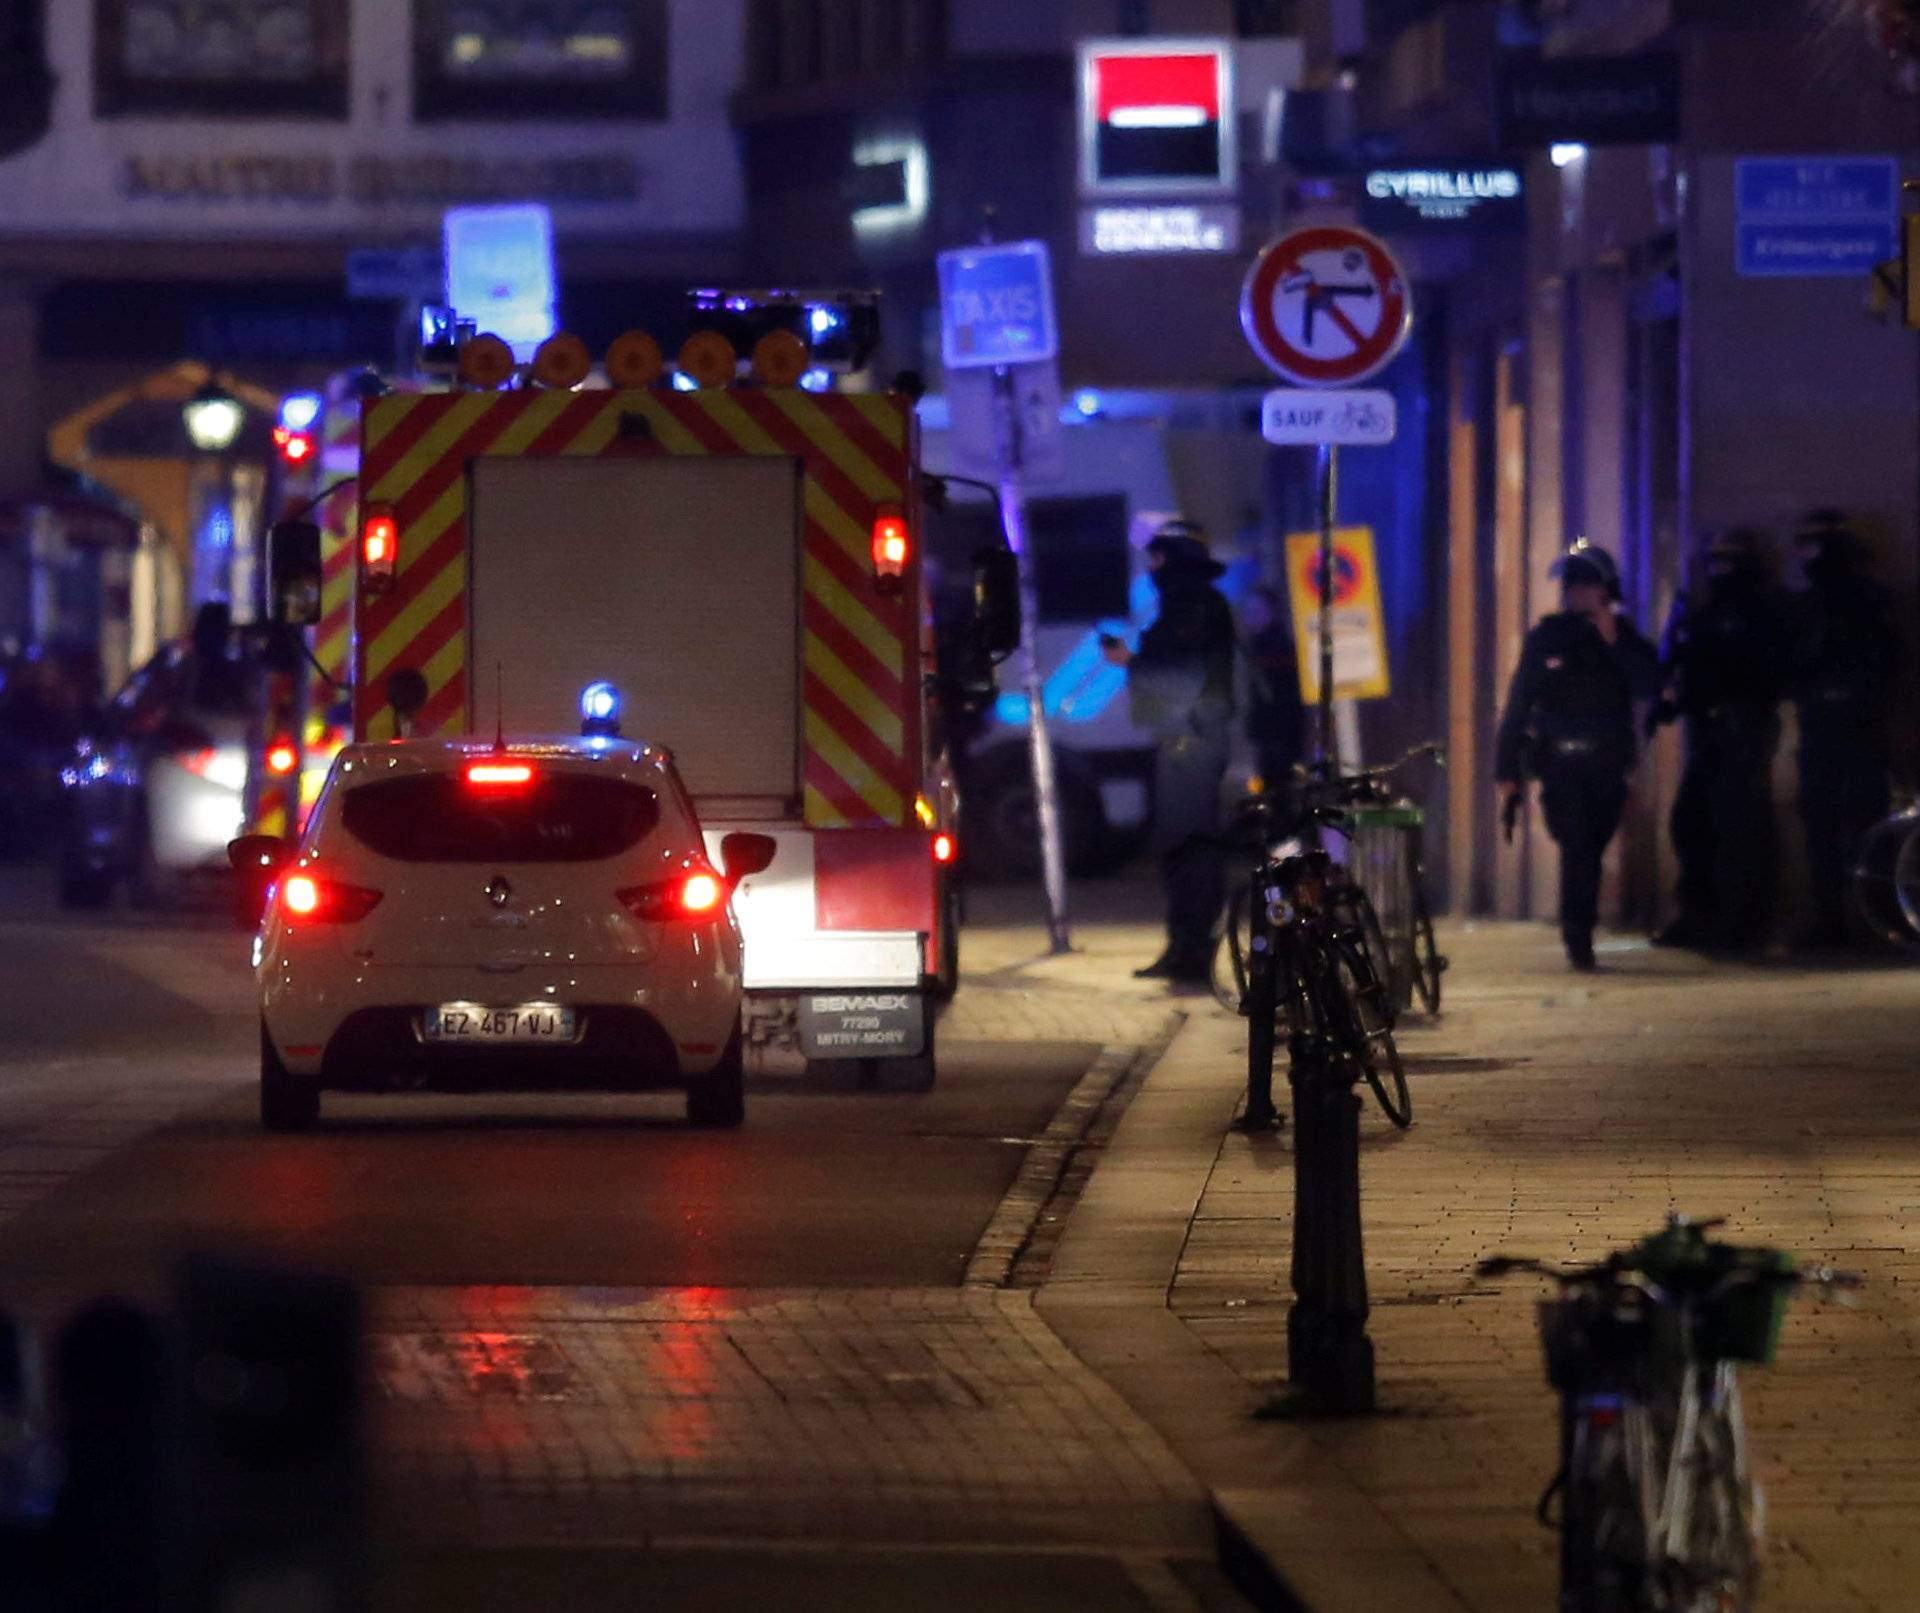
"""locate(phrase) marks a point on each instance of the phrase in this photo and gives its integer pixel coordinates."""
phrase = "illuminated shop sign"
(438, 180)
(1159, 230)
(1156, 115)
(1396, 198)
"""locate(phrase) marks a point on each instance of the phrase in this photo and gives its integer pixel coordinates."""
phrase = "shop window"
(550, 59)
(237, 58)
(1082, 565)
(806, 42)
(1255, 19)
(848, 45)
(766, 39)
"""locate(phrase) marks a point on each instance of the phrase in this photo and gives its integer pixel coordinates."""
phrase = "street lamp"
(213, 419)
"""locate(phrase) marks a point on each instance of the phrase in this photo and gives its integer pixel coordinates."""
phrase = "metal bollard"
(1329, 1356)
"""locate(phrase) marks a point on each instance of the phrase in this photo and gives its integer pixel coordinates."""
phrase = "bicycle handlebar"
(1619, 1267)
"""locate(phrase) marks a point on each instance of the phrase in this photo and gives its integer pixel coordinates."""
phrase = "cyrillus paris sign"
(1397, 198)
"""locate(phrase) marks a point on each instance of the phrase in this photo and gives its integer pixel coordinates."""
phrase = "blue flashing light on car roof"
(299, 410)
(683, 382)
(817, 380)
(600, 710)
(823, 320)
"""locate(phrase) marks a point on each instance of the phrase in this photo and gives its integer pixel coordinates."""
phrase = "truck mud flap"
(862, 1024)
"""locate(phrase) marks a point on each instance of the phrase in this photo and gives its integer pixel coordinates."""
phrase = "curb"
(1293, 1533)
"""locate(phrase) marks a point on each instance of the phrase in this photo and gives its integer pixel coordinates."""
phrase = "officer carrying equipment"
(1845, 664)
(1724, 656)
(1569, 723)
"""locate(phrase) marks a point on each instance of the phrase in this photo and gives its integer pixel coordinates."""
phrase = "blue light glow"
(1086, 403)
(683, 382)
(299, 410)
(822, 320)
(817, 381)
(599, 702)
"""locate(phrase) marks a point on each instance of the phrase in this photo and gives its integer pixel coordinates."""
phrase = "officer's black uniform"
(1569, 723)
(1846, 656)
(1181, 683)
(1276, 722)
(1725, 661)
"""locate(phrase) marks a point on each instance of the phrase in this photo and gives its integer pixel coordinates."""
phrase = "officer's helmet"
(1735, 549)
(1182, 545)
(1828, 535)
(1586, 562)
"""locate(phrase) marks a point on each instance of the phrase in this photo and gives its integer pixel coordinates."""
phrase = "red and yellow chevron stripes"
(860, 659)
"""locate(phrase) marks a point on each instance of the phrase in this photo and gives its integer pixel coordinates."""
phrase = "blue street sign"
(1815, 215)
(399, 273)
(996, 305)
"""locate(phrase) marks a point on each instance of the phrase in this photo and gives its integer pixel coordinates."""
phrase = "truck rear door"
(675, 577)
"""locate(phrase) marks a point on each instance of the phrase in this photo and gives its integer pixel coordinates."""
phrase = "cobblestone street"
(941, 1415)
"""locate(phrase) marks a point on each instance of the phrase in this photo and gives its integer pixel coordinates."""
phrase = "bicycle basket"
(1589, 1345)
(1390, 815)
(1743, 1323)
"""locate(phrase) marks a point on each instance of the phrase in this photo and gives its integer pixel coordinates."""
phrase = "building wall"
(377, 173)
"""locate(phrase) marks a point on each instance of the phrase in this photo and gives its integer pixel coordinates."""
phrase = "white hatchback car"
(465, 917)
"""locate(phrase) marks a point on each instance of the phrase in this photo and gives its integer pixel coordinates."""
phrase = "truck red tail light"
(945, 848)
(694, 893)
(379, 545)
(282, 758)
(892, 548)
(326, 901)
(295, 446)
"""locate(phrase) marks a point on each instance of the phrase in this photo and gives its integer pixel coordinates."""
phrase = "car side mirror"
(996, 602)
(293, 573)
(742, 854)
(259, 854)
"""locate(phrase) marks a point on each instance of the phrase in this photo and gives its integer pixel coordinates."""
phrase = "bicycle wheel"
(1357, 915)
(1721, 1569)
(1428, 964)
(1368, 1033)
(1229, 973)
(1603, 1518)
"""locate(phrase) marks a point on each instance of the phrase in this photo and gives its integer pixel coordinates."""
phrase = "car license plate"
(475, 1022)
(862, 1024)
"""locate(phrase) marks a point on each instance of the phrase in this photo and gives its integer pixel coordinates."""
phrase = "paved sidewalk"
(1557, 1115)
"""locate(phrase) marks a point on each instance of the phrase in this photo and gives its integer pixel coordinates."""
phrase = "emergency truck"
(725, 565)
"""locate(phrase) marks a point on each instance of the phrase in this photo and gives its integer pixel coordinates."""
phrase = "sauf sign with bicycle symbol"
(1326, 308)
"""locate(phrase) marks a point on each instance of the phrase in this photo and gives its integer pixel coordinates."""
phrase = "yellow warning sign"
(1359, 629)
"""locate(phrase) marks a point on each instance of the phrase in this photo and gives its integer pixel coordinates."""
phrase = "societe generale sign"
(1156, 117)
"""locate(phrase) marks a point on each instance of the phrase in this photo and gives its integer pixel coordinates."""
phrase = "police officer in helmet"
(1725, 662)
(1180, 682)
(1846, 659)
(1569, 723)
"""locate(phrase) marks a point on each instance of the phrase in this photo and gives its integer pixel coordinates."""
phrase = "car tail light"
(379, 545)
(945, 848)
(499, 775)
(282, 758)
(693, 893)
(326, 901)
(892, 547)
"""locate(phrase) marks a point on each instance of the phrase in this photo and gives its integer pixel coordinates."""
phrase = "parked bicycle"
(1658, 1509)
(1380, 881)
(1886, 878)
(1309, 972)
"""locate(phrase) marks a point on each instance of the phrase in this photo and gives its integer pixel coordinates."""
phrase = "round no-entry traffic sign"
(1326, 306)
